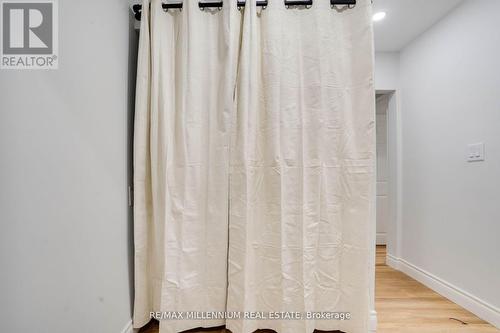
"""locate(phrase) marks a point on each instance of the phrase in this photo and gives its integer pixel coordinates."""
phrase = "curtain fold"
(254, 179)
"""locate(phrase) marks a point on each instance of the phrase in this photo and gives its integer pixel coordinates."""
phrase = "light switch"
(475, 152)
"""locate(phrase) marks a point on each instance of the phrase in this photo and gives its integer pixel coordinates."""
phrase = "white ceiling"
(406, 20)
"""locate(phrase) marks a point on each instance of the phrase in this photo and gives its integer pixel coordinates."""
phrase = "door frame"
(395, 174)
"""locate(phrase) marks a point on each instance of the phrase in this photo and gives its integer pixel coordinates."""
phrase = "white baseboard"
(372, 324)
(392, 261)
(381, 238)
(129, 328)
(477, 306)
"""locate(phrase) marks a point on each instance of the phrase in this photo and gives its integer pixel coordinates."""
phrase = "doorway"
(389, 171)
(382, 200)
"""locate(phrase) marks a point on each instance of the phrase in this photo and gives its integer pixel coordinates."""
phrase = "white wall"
(386, 71)
(65, 226)
(450, 83)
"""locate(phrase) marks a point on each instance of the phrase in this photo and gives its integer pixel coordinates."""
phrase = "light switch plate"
(475, 152)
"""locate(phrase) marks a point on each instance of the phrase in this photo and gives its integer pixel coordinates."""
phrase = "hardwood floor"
(404, 306)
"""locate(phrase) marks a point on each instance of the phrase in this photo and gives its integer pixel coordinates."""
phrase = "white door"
(382, 169)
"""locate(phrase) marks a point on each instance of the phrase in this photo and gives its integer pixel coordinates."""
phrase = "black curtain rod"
(241, 3)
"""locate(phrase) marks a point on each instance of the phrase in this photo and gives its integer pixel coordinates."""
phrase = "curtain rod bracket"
(211, 4)
(349, 4)
(297, 3)
(260, 3)
(172, 5)
(137, 11)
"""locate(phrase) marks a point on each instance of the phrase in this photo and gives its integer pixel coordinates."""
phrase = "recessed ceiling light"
(378, 16)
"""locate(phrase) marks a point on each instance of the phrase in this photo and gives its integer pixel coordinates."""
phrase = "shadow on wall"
(132, 71)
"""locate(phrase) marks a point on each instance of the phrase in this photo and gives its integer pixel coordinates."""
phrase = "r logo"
(27, 28)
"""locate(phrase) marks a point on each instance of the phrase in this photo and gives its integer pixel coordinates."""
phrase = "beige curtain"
(185, 82)
(254, 166)
(302, 168)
